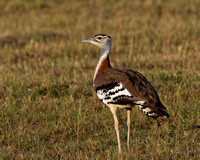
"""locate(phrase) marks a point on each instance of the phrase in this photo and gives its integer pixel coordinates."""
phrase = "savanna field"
(48, 108)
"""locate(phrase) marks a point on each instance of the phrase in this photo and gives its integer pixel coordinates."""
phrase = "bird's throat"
(103, 64)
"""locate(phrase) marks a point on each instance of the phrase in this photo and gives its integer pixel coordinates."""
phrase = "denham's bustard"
(123, 88)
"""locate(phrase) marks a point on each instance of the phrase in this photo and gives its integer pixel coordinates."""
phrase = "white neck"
(103, 55)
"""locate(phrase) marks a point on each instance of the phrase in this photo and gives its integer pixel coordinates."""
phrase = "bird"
(123, 88)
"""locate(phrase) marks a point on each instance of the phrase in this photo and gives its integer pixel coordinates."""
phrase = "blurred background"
(48, 109)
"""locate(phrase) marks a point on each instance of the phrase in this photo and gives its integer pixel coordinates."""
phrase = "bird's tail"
(156, 112)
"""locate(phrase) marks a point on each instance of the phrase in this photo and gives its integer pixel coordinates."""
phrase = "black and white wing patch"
(113, 93)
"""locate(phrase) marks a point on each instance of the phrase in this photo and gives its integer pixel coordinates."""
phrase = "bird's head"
(100, 40)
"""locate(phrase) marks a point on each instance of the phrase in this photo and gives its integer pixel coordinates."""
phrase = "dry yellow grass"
(48, 109)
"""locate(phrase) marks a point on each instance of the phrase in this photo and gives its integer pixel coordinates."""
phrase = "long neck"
(104, 62)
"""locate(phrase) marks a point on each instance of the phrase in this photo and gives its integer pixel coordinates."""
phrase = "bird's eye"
(99, 38)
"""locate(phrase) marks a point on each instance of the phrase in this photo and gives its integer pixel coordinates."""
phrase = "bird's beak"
(86, 40)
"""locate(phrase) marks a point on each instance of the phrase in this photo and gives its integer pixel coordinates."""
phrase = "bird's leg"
(113, 110)
(128, 127)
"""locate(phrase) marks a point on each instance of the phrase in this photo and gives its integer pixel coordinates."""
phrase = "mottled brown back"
(142, 92)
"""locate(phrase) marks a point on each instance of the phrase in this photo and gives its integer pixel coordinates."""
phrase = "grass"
(48, 109)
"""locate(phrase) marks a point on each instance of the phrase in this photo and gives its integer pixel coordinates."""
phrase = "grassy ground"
(48, 109)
